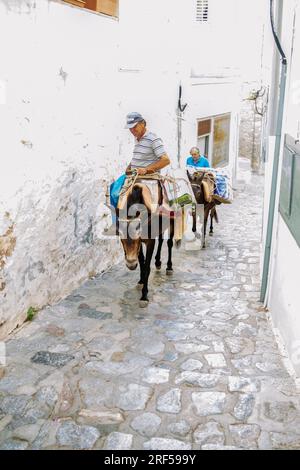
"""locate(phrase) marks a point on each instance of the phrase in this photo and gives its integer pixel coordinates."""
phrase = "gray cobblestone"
(199, 367)
(146, 424)
(170, 402)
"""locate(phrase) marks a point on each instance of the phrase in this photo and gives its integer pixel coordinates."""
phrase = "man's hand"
(141, 171)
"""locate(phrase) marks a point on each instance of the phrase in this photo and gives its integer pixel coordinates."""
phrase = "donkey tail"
(215, 215)
(177, 243)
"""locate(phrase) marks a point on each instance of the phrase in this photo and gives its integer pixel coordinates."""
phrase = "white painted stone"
(215, 360)
(181, 428)
(27, 433)
(158, 443)
(244, 407)
(78, 437)
(209, 403)
(245, 435)
(244, 329)
(103, 417)
(196, 378)
(242, 384)
(146, 424)
(188, 348)
(209, 433)
(119, 441)
(218, 447)
(191, 364)
(218, 346)
(133, 397)
(170, 402)
(156, 375)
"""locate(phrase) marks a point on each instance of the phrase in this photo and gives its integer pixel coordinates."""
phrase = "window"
(202, 11)
(289, 205)
(108, 7)
(213, 139)
(204, 135)
(220, 155)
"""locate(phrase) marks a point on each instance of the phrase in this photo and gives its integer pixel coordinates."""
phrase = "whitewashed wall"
(283, 289)
(284, 302)
(68, 77)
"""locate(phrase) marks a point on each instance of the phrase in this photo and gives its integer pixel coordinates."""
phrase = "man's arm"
(156, 166)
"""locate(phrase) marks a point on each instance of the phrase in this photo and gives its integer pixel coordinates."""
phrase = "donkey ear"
(146, 193)
(147, 198)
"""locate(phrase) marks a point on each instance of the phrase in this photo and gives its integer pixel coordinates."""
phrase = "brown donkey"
(196, 181)
(137, 225)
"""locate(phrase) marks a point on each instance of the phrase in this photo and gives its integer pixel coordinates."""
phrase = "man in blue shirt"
(196, 160)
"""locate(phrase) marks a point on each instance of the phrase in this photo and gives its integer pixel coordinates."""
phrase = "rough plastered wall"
(68, 77)
(58, 147)
(250, 126)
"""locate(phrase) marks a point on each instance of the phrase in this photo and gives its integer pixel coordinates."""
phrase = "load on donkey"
(211, 188)
(144, 215)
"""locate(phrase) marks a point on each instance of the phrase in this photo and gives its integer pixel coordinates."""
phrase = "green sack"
(183, 200)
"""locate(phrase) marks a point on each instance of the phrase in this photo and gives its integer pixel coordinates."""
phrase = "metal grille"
(202, 11)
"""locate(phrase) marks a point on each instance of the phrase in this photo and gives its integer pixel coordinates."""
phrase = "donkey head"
(196, 180)
(196, 177)
(130, 222)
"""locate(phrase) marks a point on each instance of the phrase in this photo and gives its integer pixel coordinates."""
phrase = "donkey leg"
(206, 212)
(194, 215)
(158, 253)
(146, 272)
(142, 264)
(199, 218)
(211, 229)
(169, 270)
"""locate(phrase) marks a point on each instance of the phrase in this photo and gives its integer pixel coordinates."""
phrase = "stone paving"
(198, 369)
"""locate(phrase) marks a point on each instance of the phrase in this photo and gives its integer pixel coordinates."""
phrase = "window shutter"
(78, 3)
(108, 7)
(204, 127)
(202, 11)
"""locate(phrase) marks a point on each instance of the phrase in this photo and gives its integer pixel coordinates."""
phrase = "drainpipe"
(267, 254)
(180, 111)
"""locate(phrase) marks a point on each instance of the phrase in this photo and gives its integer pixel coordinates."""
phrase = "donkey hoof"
(211, 234)
(203, 246)
(169, 272)
(139, 286)
(143, 303)
(158, 267)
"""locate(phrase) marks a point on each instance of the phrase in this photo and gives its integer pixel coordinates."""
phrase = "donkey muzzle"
(132, 265)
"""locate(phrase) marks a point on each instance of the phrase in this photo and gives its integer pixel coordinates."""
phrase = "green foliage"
(30, 313)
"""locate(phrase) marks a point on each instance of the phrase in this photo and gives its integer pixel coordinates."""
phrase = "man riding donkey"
(210, 187)
(149, 156)
(133, 200)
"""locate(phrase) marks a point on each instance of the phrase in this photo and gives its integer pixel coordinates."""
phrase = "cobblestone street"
(198, 369)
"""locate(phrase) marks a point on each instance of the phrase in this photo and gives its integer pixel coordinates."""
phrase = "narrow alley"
(198, 369)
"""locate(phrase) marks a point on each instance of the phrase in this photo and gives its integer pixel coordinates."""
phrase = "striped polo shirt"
(147, 150)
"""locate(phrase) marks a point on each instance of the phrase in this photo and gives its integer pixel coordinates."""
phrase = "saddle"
(156, 201)
(208, 184)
